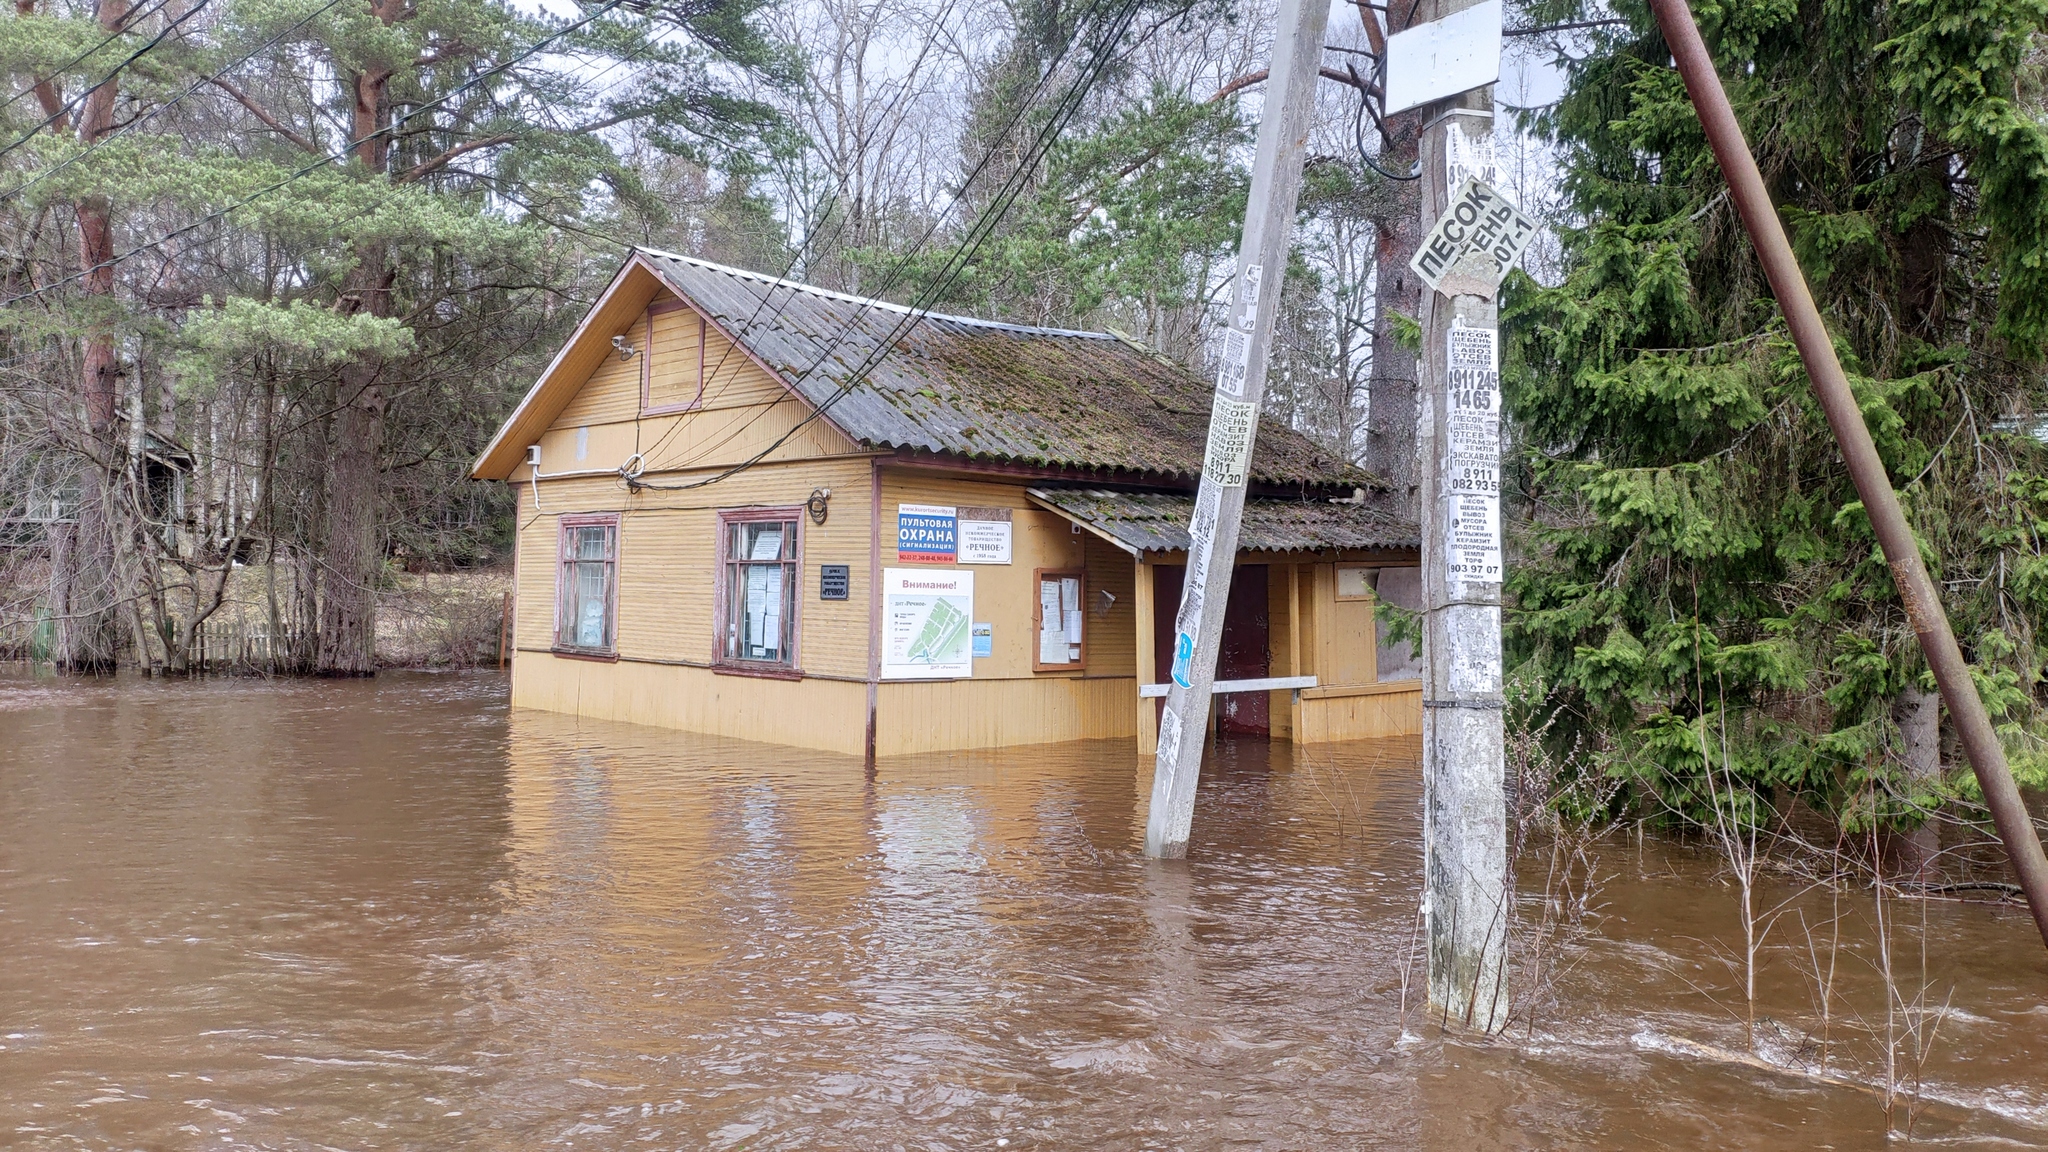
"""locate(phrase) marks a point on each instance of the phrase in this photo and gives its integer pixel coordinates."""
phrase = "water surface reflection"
(394, 915)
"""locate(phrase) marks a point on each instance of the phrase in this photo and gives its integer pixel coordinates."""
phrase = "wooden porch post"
(1148, 712)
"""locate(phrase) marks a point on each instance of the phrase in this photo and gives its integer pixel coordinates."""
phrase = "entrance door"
(1245, 653)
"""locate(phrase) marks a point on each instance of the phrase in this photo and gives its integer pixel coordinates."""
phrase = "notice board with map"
(927, 619)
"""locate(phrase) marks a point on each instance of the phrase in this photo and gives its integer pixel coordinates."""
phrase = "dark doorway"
(1246, 652)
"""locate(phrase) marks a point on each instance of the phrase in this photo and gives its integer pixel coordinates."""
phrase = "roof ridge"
(867, 301)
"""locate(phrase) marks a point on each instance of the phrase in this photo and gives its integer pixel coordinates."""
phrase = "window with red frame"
(586, 586)
(758, 586)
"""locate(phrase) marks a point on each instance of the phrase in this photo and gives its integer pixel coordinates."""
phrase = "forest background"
(274, 270)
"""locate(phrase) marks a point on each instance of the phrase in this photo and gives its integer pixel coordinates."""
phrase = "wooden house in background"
(758, 509)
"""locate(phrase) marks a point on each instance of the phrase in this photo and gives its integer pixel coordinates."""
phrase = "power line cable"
(129, 21)
(896, 272)
(956, 265)
(71, 104)
(166, 106)
(344, 150)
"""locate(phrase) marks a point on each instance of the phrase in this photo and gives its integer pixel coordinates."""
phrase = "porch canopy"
(1141, 522)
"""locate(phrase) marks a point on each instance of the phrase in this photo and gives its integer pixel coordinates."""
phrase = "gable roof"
(953, 385)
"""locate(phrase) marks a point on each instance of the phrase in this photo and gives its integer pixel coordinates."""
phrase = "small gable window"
(759, 553)
(586, 584)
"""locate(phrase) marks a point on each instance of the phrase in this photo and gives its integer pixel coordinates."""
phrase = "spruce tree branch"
(257, 110)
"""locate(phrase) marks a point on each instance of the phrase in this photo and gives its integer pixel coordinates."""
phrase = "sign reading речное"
(1474, 244)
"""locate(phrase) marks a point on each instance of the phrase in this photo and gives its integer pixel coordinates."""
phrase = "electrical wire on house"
(73, 103)
(900, 268)
(812, 241)
(153, 113)
(134, 17)
(300, 173)
(984, 226)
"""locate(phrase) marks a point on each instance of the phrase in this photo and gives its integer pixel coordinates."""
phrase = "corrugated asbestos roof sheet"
(1158, 522)
(982, 389)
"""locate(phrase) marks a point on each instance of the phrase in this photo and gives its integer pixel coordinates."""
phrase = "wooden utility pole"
(1234, 420)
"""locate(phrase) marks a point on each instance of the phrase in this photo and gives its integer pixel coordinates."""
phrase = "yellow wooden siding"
(1362, 712)
(938, 716)
(745, 409)
(1346, 652)
(668, 559)
(1003, 593)
(824, 714)
(1112, 634)
(732, 379)
(612, 391)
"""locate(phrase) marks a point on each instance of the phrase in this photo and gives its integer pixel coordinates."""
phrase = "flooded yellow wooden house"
(753, 508)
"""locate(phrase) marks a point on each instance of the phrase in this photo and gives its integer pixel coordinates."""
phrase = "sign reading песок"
(1474, 244)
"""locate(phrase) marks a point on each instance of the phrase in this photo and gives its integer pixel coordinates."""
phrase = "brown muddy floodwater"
(396, 915)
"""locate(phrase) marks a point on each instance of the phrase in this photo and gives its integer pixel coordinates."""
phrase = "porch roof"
(1142, 522)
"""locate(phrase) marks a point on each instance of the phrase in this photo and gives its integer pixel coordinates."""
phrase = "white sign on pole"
(1474, 244)
(927, 624)
(1471, 481)
(1443, 57)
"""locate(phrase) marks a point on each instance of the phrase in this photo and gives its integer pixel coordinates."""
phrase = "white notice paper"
(1234, 370)
(1052, 635)
(1471, 469)
(1230, 441)
(984, 541)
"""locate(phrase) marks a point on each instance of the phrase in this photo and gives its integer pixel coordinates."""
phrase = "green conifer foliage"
(1698, 583)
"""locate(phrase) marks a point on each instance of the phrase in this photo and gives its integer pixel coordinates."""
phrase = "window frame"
(721, 607)
(565, 528)
(1038, 576)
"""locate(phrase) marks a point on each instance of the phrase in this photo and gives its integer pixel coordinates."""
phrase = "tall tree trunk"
(1918, 715)
(94, 594)
(1391, 413)
(349, 570)
(348, 601)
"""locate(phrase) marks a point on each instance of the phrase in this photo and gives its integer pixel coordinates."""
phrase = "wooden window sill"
(586, 654)
(760, 672)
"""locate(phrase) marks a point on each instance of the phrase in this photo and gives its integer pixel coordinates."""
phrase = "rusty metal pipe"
(1901, 550)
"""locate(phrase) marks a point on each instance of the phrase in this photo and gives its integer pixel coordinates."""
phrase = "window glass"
(760, 589)
(586, 582)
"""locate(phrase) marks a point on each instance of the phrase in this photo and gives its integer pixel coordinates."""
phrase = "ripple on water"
(405, 916)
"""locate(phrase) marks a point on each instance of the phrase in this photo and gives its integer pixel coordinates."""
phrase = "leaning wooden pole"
(1234, 421)
(1901, 550)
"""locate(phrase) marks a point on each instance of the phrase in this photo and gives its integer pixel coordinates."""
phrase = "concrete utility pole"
(1465, 890)
(1234, 420)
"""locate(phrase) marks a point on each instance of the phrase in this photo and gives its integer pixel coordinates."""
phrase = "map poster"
(927, 624)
